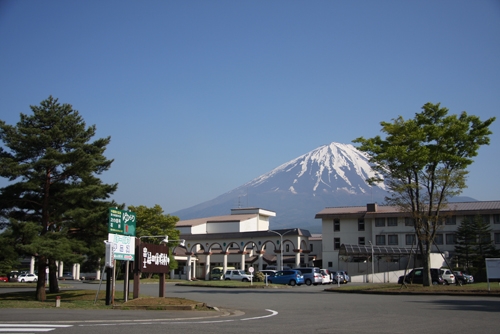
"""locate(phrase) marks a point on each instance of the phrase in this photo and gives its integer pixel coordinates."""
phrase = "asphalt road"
(294, 310)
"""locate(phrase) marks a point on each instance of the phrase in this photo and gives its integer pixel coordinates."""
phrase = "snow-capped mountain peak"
(329, 168)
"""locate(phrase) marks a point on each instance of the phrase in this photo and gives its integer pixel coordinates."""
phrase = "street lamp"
(165, 240)
(281, 242)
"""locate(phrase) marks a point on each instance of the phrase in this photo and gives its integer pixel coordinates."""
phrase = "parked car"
(448, 276)
(269, 272)
(237, 275)
(217, 273)
(340, 277)
(66, 276)
(464, 277)
(27, 278)
(4, 278)
(416, 277)
(13, 276)
(312, 275)
(327, 279)
(291, 277)
(347, 278)
(470, 278)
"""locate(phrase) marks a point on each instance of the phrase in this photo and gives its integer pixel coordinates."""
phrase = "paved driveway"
(295, 310)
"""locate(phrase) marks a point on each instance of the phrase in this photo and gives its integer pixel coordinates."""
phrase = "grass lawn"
(87, 299)
(392, 288)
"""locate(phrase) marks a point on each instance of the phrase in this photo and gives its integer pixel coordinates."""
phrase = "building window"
(496, 219)
(438, 240)
(409, 221)
(336, 243)
(392, 221)
(380, 240)
(451, 239)
(497, 238)
(452, 220)
(361, 241)
(330, 264)
(336, 225)
(379, 222)
(311, 247)
(410, 239)
(392, 239)
(287, 248)
(361, 224)
(486, 219)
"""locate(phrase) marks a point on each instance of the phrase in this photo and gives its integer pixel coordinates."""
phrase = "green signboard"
(121, 222)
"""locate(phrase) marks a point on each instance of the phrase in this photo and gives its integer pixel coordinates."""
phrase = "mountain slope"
(331, 175)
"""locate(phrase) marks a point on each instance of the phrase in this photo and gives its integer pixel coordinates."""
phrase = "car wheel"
(446, 282)
(269, 281)
(308, 282)
(22, 281)
(334, 281)
(245, 280)
(227, 279)
(292, 282)
(435, 283)
(35, 280)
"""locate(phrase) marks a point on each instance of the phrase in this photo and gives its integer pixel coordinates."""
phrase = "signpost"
(121, 228)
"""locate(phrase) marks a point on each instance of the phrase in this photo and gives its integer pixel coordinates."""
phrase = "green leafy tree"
(53, 169)
(423, 161)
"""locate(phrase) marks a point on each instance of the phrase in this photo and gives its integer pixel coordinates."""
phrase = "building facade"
(241, 240)
(386, 227)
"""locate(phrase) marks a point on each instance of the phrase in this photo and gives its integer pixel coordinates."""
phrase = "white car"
(237, 275)
(27, 278)
(448, 276)
(327, 278)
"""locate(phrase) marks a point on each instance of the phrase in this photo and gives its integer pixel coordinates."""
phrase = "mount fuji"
(331, 175)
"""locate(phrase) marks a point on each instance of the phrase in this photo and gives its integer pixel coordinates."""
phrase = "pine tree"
(54, 190)
(474, 242)
(465, 241)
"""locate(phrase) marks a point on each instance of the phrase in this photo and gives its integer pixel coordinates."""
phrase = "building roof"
(216, 219)
(246, 235)
(460, 208)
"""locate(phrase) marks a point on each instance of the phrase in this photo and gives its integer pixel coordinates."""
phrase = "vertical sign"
(121, 222)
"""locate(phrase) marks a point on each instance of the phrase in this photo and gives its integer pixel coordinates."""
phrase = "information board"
(123, 246)
(153, 258)
(121, 222)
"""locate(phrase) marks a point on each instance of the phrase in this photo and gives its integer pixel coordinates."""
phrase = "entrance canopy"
(363, 250)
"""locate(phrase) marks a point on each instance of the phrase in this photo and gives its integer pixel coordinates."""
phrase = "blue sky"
(200, 97)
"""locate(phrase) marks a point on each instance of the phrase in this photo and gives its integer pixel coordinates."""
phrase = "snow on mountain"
(331, 175)
(329, 168)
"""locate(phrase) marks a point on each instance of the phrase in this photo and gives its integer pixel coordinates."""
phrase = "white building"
(391, 233)
(241, 240)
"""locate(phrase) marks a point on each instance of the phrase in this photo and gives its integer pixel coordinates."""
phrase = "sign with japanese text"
(121, 222)
(153, 258)
(123, 246)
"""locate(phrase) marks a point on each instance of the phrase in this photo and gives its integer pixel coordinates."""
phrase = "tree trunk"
(40, 285)
(427, 279)
(53, 282)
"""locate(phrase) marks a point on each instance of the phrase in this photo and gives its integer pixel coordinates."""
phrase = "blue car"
(292, 277)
